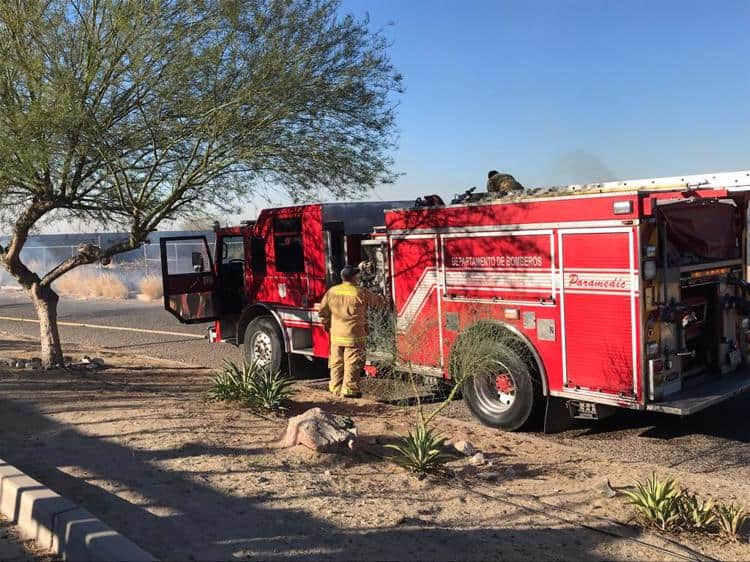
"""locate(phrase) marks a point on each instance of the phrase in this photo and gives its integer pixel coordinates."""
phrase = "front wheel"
(506, 397)
(263, 345)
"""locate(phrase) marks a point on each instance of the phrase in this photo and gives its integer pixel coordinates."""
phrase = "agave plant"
(233, 383)
(421, 450)
(269, 390)
(657, 502)
(731, 518)
(696, 514)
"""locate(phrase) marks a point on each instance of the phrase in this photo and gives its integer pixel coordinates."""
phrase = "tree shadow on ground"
(181, 516)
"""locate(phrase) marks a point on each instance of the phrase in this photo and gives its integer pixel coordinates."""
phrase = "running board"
(705, 394)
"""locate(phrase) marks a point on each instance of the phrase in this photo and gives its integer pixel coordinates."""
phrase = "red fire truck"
(615, 295)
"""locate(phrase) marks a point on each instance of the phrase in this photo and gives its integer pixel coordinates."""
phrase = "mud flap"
(556, 417)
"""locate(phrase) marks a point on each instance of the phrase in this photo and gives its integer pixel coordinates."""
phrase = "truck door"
(188, 278)
(598, 307)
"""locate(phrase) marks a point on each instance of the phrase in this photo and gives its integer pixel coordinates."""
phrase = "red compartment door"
(415, 295)
(599, 310)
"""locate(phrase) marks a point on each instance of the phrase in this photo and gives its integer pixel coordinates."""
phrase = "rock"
(477, 459)
(263, 480)
(510, 472)
(605, 489)
(98, 361)
(489, 475)
(320, 431)
(465, 448)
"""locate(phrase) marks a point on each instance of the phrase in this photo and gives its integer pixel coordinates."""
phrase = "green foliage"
(256, 386)
(234, 383)
(128, 113)
(696, 514)
(731, 519)
(657, 502)
(660, 504)
(268, 390)
(421, 450)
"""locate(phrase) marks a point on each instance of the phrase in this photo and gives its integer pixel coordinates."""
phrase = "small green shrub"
(233, 383)
(731, 518)
(252, 384)
(657, 503)
(269, 391)
(421, 450)
(696, 514)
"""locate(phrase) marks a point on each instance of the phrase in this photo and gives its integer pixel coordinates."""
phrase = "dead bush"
(110, 286)
(151, 287)
(82, 284)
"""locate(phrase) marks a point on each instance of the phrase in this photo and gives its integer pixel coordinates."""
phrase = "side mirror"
(198, 264)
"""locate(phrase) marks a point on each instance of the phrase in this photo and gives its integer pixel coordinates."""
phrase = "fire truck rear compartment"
(701, 329)
(702, 355)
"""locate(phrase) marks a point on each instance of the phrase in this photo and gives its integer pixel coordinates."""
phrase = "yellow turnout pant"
(346, 365)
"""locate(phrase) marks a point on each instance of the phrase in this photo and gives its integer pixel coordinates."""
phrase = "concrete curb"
(60, 525)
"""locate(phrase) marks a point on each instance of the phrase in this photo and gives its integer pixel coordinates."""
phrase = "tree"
(132, 112)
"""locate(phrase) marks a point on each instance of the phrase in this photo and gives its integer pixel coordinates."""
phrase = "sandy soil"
(139, 446)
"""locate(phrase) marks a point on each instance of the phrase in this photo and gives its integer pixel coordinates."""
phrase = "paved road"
(159, 334)
(716, 440)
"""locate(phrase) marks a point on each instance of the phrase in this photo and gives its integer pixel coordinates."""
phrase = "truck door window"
(186, 256)
(287, 244)
(232, 249)
(334, 240)
(258, 254)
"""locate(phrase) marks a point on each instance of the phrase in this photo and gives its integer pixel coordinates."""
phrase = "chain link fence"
(43, 252)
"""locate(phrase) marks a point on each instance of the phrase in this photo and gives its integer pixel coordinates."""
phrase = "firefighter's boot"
(336, 366)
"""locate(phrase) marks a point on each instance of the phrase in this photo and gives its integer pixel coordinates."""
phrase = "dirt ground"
(138, 445)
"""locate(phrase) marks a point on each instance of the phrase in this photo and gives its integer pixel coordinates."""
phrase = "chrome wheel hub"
(496, 393)
(261, 349)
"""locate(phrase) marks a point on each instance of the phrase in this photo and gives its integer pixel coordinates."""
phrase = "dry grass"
(86, 284)
(151, 287)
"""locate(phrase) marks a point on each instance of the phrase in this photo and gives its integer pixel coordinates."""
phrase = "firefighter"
(343, 312)
(503, 184)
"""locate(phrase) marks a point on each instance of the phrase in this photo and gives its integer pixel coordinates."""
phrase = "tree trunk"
(45, 301)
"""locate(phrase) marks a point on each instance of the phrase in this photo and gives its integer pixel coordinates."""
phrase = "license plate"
(583, 410)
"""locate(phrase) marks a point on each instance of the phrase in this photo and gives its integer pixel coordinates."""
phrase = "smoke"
(578, 166)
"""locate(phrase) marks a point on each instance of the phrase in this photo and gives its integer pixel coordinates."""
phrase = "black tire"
(516, 408)
(262, 344)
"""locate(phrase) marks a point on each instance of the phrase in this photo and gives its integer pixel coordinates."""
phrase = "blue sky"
(559, 92)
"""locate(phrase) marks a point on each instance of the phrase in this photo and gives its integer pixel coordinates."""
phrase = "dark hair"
(492, 173)
(349, 273)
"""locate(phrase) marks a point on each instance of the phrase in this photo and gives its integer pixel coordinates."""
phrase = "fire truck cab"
(265, 277)
(613, 295)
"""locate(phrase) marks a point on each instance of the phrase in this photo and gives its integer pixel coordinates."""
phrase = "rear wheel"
(263, 344)
(507, 397)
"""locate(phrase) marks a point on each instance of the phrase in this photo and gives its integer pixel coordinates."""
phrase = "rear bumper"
(705, 393)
